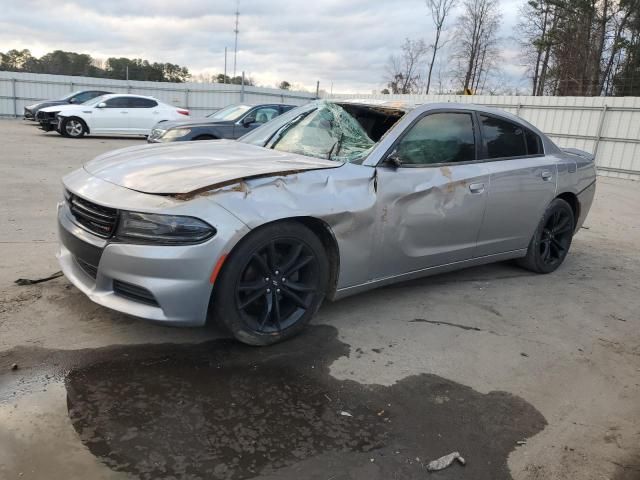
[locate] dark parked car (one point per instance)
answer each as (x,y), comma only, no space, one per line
(31,111)
(231,122)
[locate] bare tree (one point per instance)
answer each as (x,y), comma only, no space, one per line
(403,72)
(439,10)
(476,38)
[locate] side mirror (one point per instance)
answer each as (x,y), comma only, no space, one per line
(246,121)
(101,105)
(73,100)
(393,160)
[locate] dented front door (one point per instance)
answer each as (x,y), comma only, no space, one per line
(428,216)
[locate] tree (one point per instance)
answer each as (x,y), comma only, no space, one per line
(476,38)
(439,10)
(237,80)
(284,85)
(18,61)
(403,71)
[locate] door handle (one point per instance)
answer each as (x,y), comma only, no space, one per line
(124,112)
(476,187)
(546,175)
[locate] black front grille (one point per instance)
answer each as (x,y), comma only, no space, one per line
(97,219)
(87,268)
(134,292)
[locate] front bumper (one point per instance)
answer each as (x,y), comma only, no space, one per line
(168,284)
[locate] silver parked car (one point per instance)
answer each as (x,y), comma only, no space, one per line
(325,201)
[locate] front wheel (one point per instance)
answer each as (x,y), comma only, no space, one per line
(272,284)
(551,241)
(73,127)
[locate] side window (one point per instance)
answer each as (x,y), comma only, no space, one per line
(264,114)
(118,102)
(503,138)
(82,97)
(142,102)
(534,143)
(439,138)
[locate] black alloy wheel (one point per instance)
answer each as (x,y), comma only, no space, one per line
(272,284)
(551,241)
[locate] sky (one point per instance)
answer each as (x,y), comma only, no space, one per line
(344,44)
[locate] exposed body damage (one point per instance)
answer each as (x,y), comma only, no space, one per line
(335,196)
(343,198)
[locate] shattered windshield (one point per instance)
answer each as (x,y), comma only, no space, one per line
(326,132)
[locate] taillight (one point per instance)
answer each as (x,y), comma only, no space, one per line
(183,112)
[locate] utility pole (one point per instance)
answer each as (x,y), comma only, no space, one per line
(225,64)
(236,31)
(127,73)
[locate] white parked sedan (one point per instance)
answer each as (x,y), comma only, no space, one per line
(113,114)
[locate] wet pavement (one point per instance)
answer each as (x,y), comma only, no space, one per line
(222,410)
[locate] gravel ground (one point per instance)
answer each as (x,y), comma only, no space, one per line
(530,377)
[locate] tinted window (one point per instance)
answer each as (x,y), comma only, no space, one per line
(83,97)
(118,102)
(534,143)
(504,139)
(264,114)
(142,102)
(439,138)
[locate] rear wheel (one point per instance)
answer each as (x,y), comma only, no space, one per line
(73,127)
(272,284)
(551,241)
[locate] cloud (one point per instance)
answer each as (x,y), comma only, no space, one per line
(346,43)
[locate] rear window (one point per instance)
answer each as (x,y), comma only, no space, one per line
(503,138)
(142,102)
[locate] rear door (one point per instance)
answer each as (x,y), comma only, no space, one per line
(430,208)
(113,118)
(145,113)
(523,183)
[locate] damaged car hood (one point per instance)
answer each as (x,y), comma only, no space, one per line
(178,168)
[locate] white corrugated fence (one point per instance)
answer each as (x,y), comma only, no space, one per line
(20,89)
(606,126)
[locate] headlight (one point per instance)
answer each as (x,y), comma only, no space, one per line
(176,133)
(149,228)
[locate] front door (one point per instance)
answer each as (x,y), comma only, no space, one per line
(431,206)
(259,116)
(112,118)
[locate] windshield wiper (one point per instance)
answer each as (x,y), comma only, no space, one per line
(337,144)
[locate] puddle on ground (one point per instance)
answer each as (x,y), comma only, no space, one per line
(222,410)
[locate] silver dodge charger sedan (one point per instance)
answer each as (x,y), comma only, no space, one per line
(327,200)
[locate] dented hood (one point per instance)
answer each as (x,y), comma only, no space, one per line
(185,167)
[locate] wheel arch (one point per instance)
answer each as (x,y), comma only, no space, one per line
(323,231)
(84,122)
(572,199)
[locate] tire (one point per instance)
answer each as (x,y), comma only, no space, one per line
(73,127)
(254,296)
(552,239)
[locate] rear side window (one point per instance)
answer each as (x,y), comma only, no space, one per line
(503,138)
(534,143)
(439,138)
(142,102)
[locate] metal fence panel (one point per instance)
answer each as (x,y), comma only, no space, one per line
(19,89)
(610,125)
